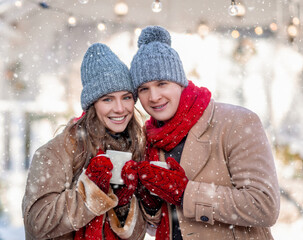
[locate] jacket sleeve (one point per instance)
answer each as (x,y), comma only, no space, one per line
(253,199)
(134,227)
(53,205)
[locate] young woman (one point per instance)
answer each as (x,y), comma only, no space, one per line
(222,182)
(68,193)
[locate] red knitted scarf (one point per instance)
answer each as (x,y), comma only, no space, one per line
(93,230)
(193,102)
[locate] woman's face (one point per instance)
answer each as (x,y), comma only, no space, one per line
(160,99)
(115,110)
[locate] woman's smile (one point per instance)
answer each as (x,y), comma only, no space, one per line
(115,110)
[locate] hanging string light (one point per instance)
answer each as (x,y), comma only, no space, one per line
(259,30)
(233,8)
(72,21)
(235,34)
(18,3)
(241,10)
(156,6)
(137,31)
(296,21)
(203,29)
(273,27)
(121,8)
(83,1)
(293,27)
(292,31)
(101,26)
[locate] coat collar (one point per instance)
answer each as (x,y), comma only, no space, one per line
(204,122)
(196,152)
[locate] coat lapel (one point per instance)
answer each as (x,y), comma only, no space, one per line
(196,151)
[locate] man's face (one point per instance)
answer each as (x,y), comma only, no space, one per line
(160,99)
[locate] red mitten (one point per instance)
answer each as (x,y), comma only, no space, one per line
(168,184)
(129,175)
(99,171)
(148,200)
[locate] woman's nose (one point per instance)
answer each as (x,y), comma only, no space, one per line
(119,107)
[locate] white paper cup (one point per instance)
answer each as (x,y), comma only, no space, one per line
(118,159)
(160,164)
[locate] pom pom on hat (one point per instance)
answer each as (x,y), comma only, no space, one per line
(156,59)
(154,34)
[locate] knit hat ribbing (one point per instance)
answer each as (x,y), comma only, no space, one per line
(155,59)
(102,72)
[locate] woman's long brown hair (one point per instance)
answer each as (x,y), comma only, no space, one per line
(88,135)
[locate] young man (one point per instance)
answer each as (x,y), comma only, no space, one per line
(222,182)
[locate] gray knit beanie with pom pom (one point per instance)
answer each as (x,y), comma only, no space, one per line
(102,72)
(155,59)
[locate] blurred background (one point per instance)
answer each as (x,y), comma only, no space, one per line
(248,53)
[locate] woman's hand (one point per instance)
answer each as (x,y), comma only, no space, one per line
(129,175)
(99,171)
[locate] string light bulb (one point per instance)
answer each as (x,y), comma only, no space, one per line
(241,10)
(203,29)
(137,31)
(233,8)
(121,8)
(83,1)
(101,26)
(273,27)
(296,21)
(156,6)
(292,30)
(18,3)
(235,34)
(259,30)
(72,21)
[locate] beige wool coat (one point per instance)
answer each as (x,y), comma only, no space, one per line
(233,191)
(55,205)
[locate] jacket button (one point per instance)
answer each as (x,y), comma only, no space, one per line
(204,219)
